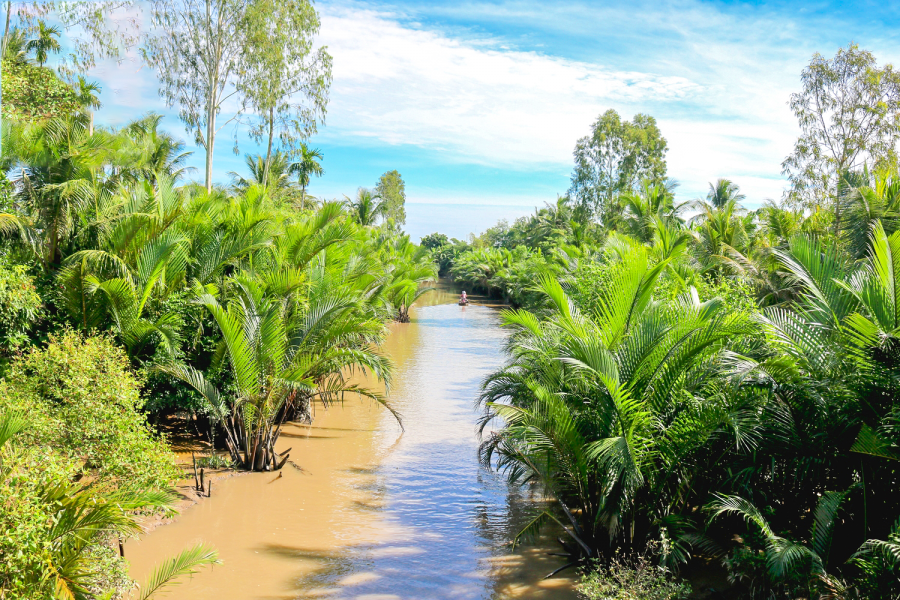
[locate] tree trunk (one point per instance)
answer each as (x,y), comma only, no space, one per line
(265,177)
(210,145)
(6,29)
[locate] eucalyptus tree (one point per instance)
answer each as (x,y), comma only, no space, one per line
(213,57)
(392,191)
(612,159)
(94,29)
(288,80)
(848,115)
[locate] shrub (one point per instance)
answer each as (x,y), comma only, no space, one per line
(632,577)
(32,92)
(82,401)
(20,306)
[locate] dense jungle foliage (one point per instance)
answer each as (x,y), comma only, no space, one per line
(129,296)
(705,386)
(696,385)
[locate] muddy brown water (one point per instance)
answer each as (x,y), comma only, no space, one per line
(368,512)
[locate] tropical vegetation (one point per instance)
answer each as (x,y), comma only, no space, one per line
(134,301)
(697,384)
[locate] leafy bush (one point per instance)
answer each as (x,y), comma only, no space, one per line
(20,305)
(32,92)
(82,400)
(24,519)
(631,578)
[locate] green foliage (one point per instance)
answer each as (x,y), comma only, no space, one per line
(631,577)
(56,534)
(35,93)
(20,306)
(82,400)
(392,191)
(508,274)
(847,112)
(613,159)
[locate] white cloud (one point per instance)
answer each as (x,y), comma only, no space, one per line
(477,102)
(716,77)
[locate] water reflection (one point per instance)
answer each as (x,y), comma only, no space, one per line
(373,515)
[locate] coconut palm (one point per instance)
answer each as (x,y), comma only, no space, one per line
(307,165)
(722,192)
(44,42)
(86,93)
(366,208)
(643,207)
(274,176)
(15,46)
(156,151)
(59,169)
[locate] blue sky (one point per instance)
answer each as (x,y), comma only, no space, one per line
(479,104)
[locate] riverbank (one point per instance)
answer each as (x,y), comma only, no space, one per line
(371,512)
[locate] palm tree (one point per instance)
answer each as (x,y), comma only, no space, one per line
(61,170)
(279,362)
(44,43)
(273,176)
(156,151)
(15,46)
(723,192)
(87,97)
(306,166)
(367,208)
(594,407)
(408,267)
(643,208)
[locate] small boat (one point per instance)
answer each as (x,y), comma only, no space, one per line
(463,302)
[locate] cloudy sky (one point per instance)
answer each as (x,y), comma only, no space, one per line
(479,104)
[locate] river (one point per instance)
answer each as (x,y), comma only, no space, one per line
(368,512)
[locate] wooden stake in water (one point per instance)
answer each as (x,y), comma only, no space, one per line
(196,483)
(202,487)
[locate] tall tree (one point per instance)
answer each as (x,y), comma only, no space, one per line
(392,191)
(94,29)
(366,209)
(87,96)
(288,79)
(200,50)
(613,158)
(848,111)
(722,192)
(44,42)
(306,166)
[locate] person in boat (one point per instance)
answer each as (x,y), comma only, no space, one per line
(463,299)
